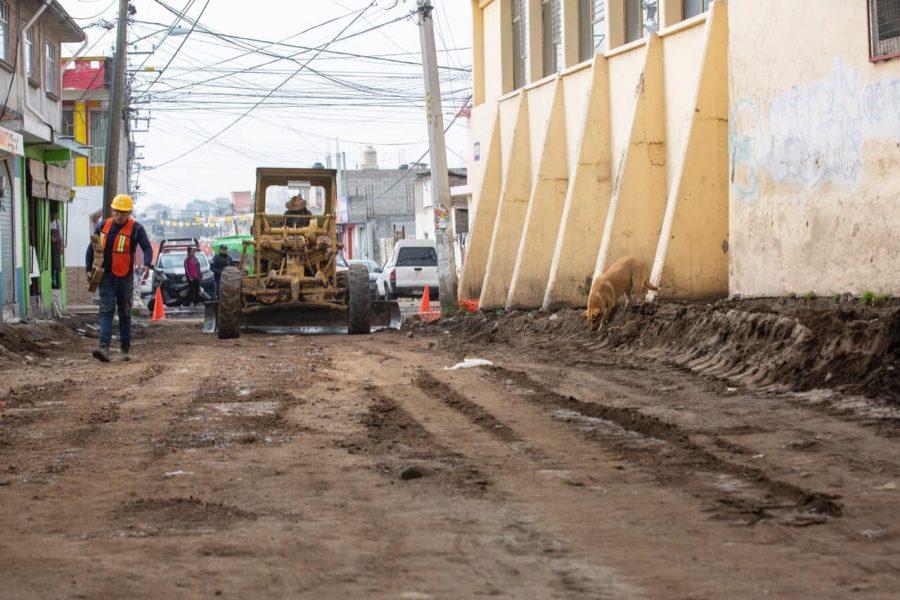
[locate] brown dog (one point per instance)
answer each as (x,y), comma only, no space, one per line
(628,276)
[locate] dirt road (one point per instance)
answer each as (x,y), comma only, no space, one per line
(348,467)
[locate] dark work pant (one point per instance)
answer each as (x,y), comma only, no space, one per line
(218,278)
(193,292)
(115,292)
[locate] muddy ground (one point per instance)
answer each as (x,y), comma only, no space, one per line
(348,467)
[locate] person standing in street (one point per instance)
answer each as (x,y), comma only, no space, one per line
(218,264)
(120,236)
(56,248)
(192,276)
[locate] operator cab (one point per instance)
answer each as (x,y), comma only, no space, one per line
(290,200)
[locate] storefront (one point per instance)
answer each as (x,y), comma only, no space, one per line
(11,152)
(48,179)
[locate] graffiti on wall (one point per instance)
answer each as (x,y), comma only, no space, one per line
(812,134)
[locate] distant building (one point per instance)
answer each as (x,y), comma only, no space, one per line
(458,225)
(380,208)
(242,202)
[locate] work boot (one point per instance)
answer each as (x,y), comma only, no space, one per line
(125,355)
(102,353)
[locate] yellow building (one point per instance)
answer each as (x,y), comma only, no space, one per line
(601,128)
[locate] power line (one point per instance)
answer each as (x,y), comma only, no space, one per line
(240,118)
(424,154)
(180,46)
(99,14)
(167,34)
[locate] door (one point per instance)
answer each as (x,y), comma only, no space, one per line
(7,268)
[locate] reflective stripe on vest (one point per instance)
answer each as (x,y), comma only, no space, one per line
(121,250)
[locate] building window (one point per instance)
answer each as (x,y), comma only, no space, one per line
(4,31)
(551,35)
(29,54)
(52,75)
(591,28)
(99,128)
(641,18)
(692,8)
(884,29)
(519,41)
(68,123)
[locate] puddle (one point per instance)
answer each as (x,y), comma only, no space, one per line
(605,428)
(247,409)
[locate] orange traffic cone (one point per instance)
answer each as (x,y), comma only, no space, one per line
(425,312)
(159,308)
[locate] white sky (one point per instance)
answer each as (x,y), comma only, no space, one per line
(364,102)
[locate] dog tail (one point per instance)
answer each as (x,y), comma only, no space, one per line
(650,286)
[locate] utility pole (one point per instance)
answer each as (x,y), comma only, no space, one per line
(440,180)
(116,102)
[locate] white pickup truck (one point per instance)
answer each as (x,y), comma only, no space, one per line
(411,267)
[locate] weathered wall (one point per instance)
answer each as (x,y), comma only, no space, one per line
(585,166)
(814,151)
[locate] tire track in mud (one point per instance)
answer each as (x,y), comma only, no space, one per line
(393,435)
(668,452)
(476,413)
(406,450)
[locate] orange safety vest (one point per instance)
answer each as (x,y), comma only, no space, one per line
(121,250)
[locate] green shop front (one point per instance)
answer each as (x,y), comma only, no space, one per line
(46,195)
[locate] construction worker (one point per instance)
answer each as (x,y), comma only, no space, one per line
(120,236)
(218,264)
(296,207)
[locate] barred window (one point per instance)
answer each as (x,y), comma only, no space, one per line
(692,8)
(97,136)
(29,53)
(52,69)
(884,29)
(592,28)
(68,122)
(519,41)
(4,31)
(551,34)
(641,18)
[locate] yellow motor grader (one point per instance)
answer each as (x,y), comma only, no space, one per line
(296,283)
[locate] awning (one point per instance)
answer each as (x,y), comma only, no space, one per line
(49,181)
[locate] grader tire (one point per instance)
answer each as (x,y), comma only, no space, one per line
(359,301)
(229,317)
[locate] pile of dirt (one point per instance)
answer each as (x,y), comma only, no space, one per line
(760,343)
(34,340)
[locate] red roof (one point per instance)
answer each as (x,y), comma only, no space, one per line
(85,74)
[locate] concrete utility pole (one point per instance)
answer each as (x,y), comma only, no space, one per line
(440,179)
(116,101)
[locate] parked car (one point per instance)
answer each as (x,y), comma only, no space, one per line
(374,272)
(168,274)
(411,268)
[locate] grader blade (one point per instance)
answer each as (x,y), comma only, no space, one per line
(386,315)
(210,317)
(305,319)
